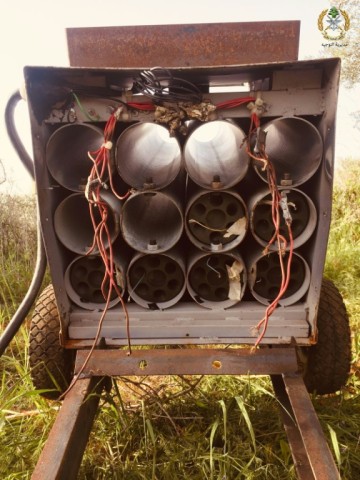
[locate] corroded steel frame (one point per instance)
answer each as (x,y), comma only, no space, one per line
(61,457)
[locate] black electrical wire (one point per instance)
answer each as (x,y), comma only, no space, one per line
(13,135)
(30,297)
(161,86)
(40,267)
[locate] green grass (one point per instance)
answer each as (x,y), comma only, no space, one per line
(212,428)
(214,431)
(343,253)
(17,248)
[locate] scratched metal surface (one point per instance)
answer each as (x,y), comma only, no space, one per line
(184,45)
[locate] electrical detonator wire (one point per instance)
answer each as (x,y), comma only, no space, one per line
(161,86)
(101,167)
(102,237)
(280,240)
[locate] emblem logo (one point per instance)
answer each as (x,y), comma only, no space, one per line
(333,23)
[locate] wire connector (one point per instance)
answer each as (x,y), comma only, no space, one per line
(108,145)
(260,140)
(117,113)
(257,108)
(285,207)
(89,189)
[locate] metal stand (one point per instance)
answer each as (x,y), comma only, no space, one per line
(310,452)
(64,449)
(62,454)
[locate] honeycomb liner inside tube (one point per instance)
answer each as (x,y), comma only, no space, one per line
(303,214)
(67,154)
(216,280)
(265,278)
(83,280)
(216,220)
(156,281)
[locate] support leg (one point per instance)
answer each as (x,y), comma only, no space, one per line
(64,448)
(311,453)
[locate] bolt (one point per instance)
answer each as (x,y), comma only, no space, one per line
(216,246)
(152,245)
(216,183)
(149,184)
(286,181)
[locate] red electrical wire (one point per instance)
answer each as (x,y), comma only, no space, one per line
(285,275)
(234,102)
(277,238)
(141,106)
(102,237)
(106,252)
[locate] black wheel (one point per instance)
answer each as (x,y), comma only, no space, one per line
(327,364)
(51,365)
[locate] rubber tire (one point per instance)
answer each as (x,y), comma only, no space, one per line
(51,365)
(327,364)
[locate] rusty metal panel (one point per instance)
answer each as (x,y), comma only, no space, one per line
(207,44)
(189,361)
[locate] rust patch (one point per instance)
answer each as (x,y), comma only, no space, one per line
(192,45)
